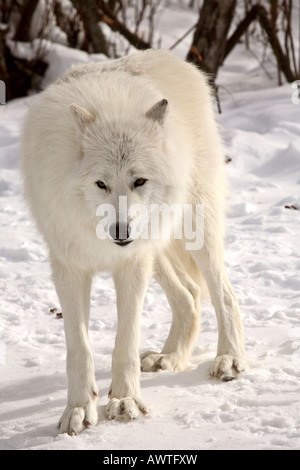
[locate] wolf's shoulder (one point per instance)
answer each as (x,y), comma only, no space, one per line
(139,63)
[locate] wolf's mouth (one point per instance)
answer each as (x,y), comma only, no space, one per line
(123,243)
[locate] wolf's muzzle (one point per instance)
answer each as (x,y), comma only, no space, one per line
(123,243)
(120,234)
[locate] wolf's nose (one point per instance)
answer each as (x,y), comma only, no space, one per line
(119,232)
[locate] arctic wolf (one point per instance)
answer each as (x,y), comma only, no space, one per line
(140,128)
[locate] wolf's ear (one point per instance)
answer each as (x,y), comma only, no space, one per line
(81,116)
(158,112)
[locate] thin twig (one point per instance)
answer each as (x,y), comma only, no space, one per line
(183,37)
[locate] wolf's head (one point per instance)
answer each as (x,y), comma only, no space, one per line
(125,170)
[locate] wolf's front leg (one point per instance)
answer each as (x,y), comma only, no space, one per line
(131,281)
(73,289)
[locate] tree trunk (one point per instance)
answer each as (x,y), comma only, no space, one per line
(4,75)
(209,42)
(23,29)
(112,5)
(88,12)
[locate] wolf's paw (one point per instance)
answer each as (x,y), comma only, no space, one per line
(75,420)
(227,367)
(153,362)
(125,409)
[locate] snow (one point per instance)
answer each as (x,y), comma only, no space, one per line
(261,410)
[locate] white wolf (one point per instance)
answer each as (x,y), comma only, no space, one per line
(142,127)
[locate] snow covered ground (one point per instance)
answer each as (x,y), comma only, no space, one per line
(260,410)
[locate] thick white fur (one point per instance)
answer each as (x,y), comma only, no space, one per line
(98,123)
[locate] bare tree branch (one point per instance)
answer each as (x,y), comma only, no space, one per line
(110,19)
(240,31)
(282,59)
(258,12)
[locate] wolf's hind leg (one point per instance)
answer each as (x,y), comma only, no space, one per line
(231,357)
(183,295)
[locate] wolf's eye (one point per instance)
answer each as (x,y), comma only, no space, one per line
(140,182)
(101,185)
